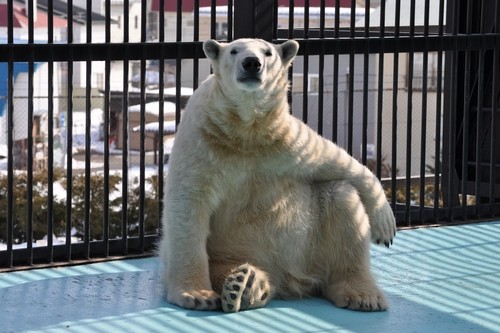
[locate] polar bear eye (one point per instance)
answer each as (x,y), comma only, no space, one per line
(233,51)
(268,53)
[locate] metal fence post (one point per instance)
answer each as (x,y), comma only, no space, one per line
(253,19)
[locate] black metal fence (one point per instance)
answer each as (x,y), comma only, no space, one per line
(89,98)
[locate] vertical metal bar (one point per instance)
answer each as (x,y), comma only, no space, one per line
(69,136)
(466,111)
(161,22)
(275,20)
(50,134)
(107,86)
(161,118)
(178,84)
(479,129)
(366,65)
(10,137)
(10,145)
(125,130)
(479,115)
(178,64)
(452,72)
(336,36)
(291,17)
(88,120)
(394,127)
(350,108)
(213,20)
(178,37)
(495,88)
(409,119)
(178,76)
(142,162)
(261,24)
(423,129)
(29,155)
(321,66)
(126,21)
(380,98)
(306,19)
(230,20)
(196,38)
(305,57)
(438,130)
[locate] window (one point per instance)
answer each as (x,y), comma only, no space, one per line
(418,71)
(312,83)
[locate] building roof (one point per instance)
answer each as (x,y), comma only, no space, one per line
(20,19)
(60,10)
(390,19)
(79,14)
(188,6)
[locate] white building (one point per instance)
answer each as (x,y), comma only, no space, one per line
(403,71)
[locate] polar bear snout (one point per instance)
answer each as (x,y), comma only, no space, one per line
(250,73)
(251,65)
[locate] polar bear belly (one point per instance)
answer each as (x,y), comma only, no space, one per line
(258,221)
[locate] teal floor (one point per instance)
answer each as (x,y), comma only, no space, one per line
(443,279)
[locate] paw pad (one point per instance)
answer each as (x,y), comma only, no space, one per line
(245,288)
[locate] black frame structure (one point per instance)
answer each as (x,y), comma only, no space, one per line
(466,148)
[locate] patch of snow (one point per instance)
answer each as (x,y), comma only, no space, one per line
(81,164)
(154,108)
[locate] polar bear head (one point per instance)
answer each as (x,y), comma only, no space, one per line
(251,64)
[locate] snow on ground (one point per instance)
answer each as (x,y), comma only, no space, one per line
(98,147)
(41,243)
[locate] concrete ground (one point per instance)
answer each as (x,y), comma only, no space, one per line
(443,279)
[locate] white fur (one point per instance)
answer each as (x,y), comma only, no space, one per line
(250,183)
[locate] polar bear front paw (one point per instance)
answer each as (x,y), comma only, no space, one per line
(246,287)
(195,299)
(383,225)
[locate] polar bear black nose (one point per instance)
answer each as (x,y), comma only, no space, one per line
(251,64)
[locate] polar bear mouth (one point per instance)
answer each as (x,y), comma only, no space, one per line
(249,79)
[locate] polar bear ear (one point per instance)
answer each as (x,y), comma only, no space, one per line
(288,50)
(212,49)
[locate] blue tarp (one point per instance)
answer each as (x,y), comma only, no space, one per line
(19,67)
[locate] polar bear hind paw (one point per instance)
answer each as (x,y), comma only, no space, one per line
(352,296)
(246,287)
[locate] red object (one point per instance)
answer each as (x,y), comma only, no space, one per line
(20,19)
(188,5)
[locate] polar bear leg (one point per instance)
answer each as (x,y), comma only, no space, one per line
(245,287)
(350,283)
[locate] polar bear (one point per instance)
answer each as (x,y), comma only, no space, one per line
(257,205)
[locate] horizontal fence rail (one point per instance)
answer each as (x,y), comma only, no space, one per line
(192,50)
(91,97)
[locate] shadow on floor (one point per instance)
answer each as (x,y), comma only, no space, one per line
(437,280)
